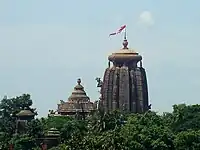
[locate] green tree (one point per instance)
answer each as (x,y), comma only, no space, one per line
(185,117)
(101,121)
(23,142)
(187,140)
(54,122)
(73,130)
(35,129)
(148,131)
(8,110)
(10,107)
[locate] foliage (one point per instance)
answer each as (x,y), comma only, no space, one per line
(148,131)
(35,129)
(186,117)
(178,130)
(72,129)
(54,122)
(187,140)
(23,142)
(8,110)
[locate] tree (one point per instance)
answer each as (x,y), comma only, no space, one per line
(23,142)
(54,122)
(8,110)
(185,117)
(10,107)
(148,131)
(73,130)
(35,129)
(179,130)
(187,140)
(101,121)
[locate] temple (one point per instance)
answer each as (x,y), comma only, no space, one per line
(78,103)
(124,86)
(24,116)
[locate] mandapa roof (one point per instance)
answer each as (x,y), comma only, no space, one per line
(25,113)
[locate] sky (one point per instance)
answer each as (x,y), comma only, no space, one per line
(45,45)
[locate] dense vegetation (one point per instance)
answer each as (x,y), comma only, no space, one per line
(179,130)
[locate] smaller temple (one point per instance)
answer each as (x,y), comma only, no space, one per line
(52,138)
(23,117)
(78,103)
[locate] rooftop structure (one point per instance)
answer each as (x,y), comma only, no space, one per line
(78,102)
(23,117)
(124,86)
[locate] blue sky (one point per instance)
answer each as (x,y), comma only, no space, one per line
(45,45)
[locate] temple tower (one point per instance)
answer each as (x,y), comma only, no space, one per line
(124,85)
(78,103)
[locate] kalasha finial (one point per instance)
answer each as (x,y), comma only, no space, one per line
(125,43)
(79,81)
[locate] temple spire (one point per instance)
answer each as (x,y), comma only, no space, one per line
(124,85)
(79,81)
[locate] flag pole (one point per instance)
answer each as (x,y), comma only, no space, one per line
(125,34)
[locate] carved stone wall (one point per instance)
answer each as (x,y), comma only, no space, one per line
(125,89)
(124,85)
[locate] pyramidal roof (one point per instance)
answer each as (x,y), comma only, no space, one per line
(25,112)
(78,93)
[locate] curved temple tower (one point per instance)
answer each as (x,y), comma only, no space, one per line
(124,86)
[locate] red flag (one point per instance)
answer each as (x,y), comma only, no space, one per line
(119,30)
(114,33)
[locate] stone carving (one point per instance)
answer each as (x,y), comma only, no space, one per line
(149,107)
(99,82)
(52,112)
(108,64)
(62,102)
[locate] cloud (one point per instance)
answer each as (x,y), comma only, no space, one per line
(146,18)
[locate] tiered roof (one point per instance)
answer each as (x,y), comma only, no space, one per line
(77,102)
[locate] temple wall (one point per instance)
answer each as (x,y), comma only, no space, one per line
(125,89)
(110,88)
(133,101)
(115,97)
(105,89)
(139,90)
(145,89)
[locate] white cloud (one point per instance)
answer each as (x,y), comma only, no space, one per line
(146,18)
